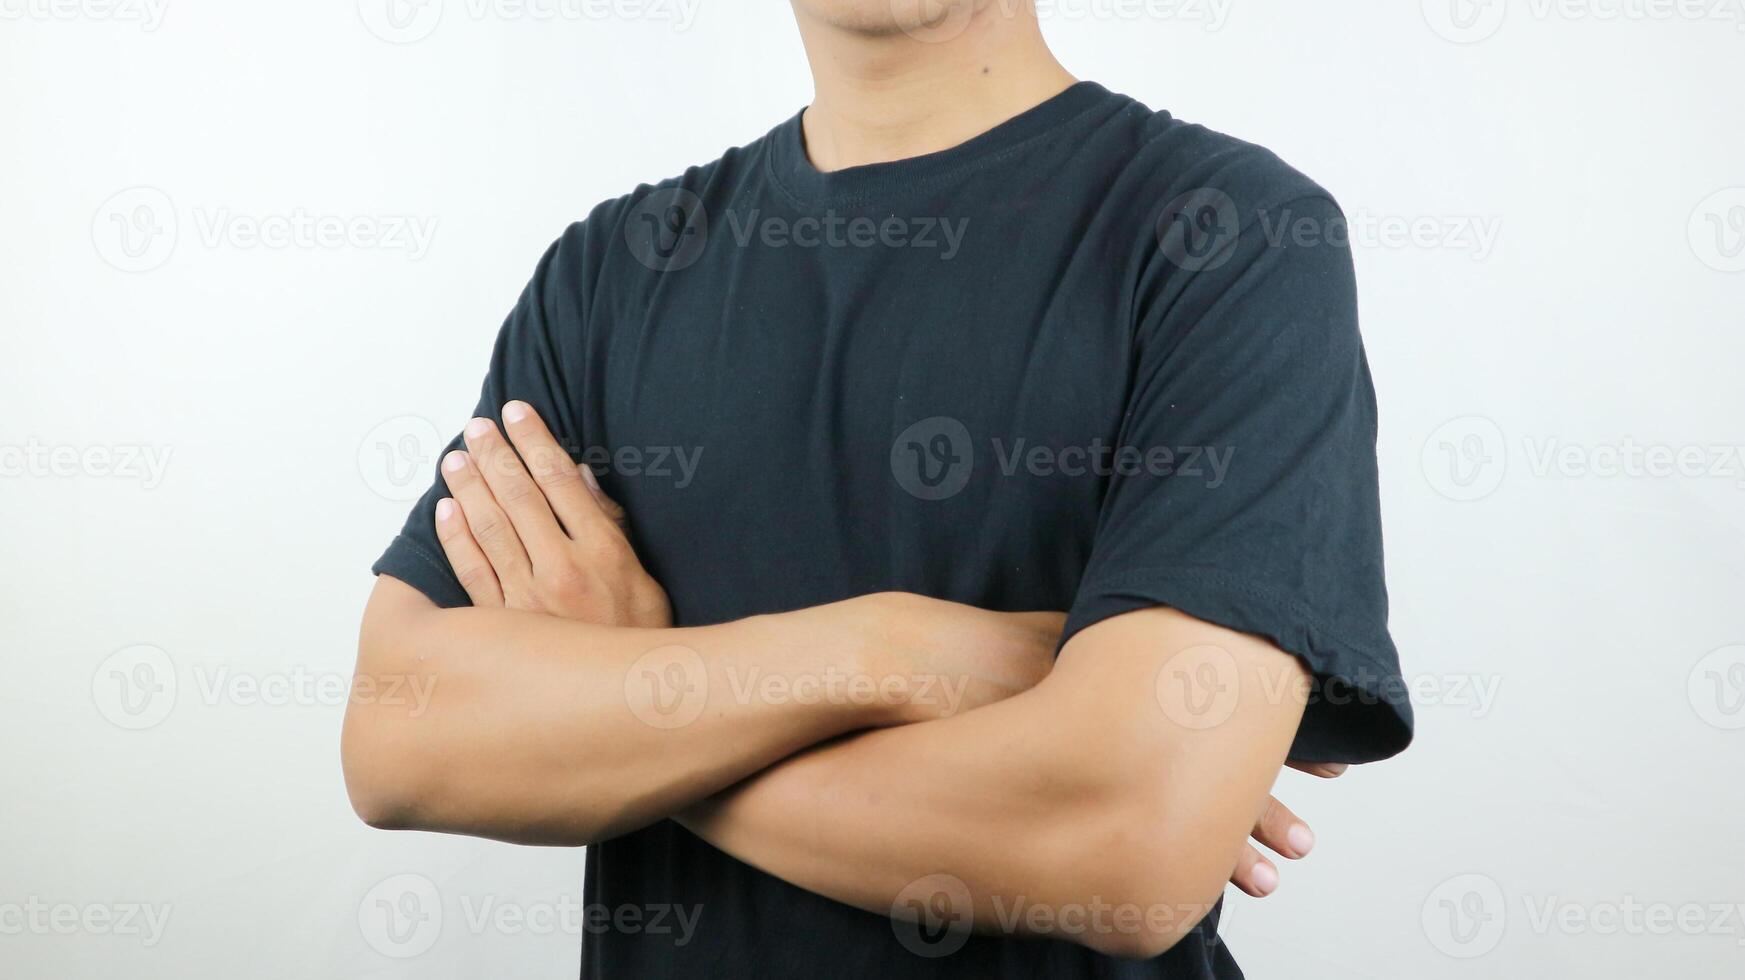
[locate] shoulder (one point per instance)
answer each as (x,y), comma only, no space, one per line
(1165,157)
(645,226)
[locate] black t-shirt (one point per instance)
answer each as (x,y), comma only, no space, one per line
(1096,359)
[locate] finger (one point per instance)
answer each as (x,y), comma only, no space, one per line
(514,489)
(553,471)
(464,555)
(1325,770)
(1283,831)
(1254,874)
(490,527)
(610,507)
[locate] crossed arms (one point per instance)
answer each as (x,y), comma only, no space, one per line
(852,749)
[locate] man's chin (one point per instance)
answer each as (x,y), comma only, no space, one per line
(918,19)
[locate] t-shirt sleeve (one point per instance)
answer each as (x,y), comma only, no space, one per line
(532,361)
(1249,493)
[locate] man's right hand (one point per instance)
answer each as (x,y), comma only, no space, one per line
(539,535)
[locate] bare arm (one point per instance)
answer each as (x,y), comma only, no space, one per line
(1099,789)
(505,722)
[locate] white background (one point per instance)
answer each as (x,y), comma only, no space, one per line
(1593,597)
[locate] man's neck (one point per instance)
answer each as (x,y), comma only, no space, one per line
(889,96)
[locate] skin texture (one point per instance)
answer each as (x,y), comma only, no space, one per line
(823,818)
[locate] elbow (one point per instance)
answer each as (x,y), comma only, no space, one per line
(1148,918)
(385,746)
(1157,885)
(380,780)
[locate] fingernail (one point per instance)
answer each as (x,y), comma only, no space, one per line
(1302,838)
(454,462)
(445,508)
(1265,878)
(478,427)
(514,411)
(589,478)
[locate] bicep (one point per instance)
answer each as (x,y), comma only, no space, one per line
(394,610)
(1200,717)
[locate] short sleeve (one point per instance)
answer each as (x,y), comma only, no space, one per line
(532,361)
(1246,491)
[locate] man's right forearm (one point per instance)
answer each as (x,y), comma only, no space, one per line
(532,729)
